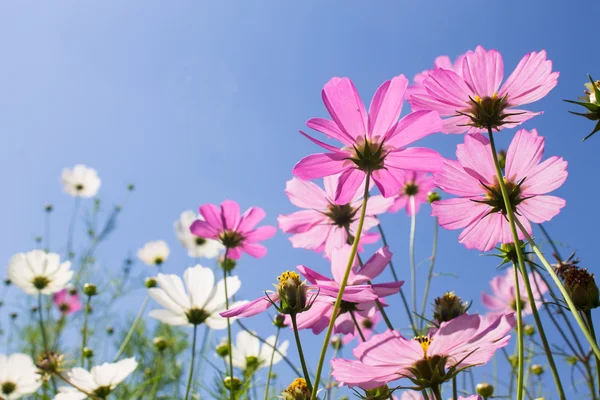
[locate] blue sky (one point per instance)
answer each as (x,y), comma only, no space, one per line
(199,101)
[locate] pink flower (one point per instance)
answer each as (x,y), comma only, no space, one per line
(465,341)
(324,225)
(480,206)
(67,301)
(416,184)
(237,233)
(440,62)
(319,315)
(459,96)
(368,320)
(504,293)
(373,142)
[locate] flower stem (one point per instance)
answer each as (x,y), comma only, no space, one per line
(158,376)
(454,389)
(411,250)
(588,316)
(357,326)
(520,351)
(231,389)
(84,332)
(338,300)
(134,326)
(42,328)
(521,263)
(301,353)
(271,364)
(404,301)
(71,233)
(191,374)
(67,381)
(431,265)
(435,389)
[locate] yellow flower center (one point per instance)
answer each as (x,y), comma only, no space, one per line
(424,341)
(289,277)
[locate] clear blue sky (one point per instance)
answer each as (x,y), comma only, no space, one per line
(198,101)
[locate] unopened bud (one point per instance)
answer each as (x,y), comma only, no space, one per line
(87,352)
(110,330)
(131,187)
(89,289)
(232,384)
(433,196)
(485,390)
(227,264)
(337,343)
(529,330)
(161,343)
(222,349)
(537,369)
(292,293)
(582,289)
(150,283)
(572,360)
(48,207)
(279,321)
(502,158)
(13,315)
(7,282)
(448,307)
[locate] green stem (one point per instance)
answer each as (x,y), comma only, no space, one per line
(411,250)
(42,328)
(84,333)
(191,374)
(431,265)
(588,316)
(454,389)
(402,296)
(301,353)
(208,333)
(231,389)
(590,378)
(271,364)
(47,230)
(425,395)
(529,361)
(338,300)
(435,389)
(133,328)
(71,233)
(356,324)
(158,376)
(520,360)
(330,385)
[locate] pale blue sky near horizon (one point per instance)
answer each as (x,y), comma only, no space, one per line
(197,101)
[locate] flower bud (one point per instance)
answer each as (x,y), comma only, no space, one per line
(150,283)
(110,330)
(529,330)
(131,187)
(50,362)
(7,282)
(513,360)
(279,321)
(297,390)
(448,307)
(572,360)
(48,207)
(433,196)
(89,289)
(222,349)
(485,390)
(292,293)
(160,343)
(13,315)
(582,289)
(227,264)
(87,352)
(508,252)
(537,369)
(381,392)
(591,102)
(502,158)
(337,343)
(232,384)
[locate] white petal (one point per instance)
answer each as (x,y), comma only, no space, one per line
(199,282)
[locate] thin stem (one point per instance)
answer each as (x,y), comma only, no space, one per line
(271,364)
(301,353)
(158,376)
(520,360)
(431,265)
(588,316)
(413,266)
(356,324)
(191,374)
(208,333)
(231,389)
(329,381)
(435,389)
(338,300)
(590,379)
(86,312)
(42,328)
(454,389)
(425,395)
(132,329)
(71,233)
(47,230)
(402,296)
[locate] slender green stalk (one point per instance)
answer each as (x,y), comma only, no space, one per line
(520,359)
(529,361)
(357,325)
(329,386)
(411,250)
(431,265)
(231,389)
(47,230)
(588,316)
(191,374)
(435,389)
(271,364)
(84,333)
(158,376)
(42,328)
(454,389)
(71,233)
(402,296)
(208,333)
(590,379)
(301,353)
(132,329)
(549,239)
(425,395)
(338,300)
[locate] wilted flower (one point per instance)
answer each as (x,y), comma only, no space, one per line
(582,289)
(18,376)
(448,307)
(39,272)
(504,297)
(80,181)
(154,253)
(67,301)
(196,246)
(249,355)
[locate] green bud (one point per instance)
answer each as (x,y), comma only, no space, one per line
(223,349)
(87,352)
(232,384)
(227,264)
(292,293)
(572,360)
(433,196)
(160,343)
(110,330)
(513,360)
(485,390)
(7,282)
(337,343)
(448,307)
(537,369)
(13,315)
(150,283)
(502,158)
(529,330)
(131,187)
(382,392)
(582,289)
(89,289)
(279,321)
(48,207)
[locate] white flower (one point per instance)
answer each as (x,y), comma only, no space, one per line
(18,376)
(100,381)
(202,302)
(80,181)
(248,354)
(39,272)
(154,253)
(195,245)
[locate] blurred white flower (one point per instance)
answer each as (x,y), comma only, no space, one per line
(202,302)
(80,181)
(18,376)
(154,253)
(248,354)
(195,245)
(39,272)
(100,381)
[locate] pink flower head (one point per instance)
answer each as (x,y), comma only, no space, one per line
(237,233)
(324,225)
(67,301)
(417,185)
(479,209)
(367,319)
(371,142)
(319,315)
(440,62)
(465,341)
(476,95)
(504,293)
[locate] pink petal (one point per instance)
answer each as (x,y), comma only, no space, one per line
(203,229)
(399,203)
(387,289)
(374,266)
(212,215)
(320,143)
(230,212)
(524,153)
(455,180)
(541,208)
(517,117)
(313,276)
(457,213)
(330,184)
(545,177)
(386,106)
(387,182)
(234,253)
(255,250)
(493,303)
(475,156)
(338,238)
(483,71)
(345,106)
(319,165)
(251,308)
(483,233)
(354,373)
(449,90)
(259,234)
(339,261)
(424,102)
(250,219)
(413,127)
(415,159)
(330,129)
(312,239)
(458,125)
(300,221)
(306,194)
(348,184)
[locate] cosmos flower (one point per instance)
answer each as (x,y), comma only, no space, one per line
(468,340)
(237,233)
(417,87)
(474,99)
(100,381)
(504,296)
(154,253)
(373,142)
(39,272)
(480,209)
(201,303)
(324,225)
(367,319)
(416,184)
(249,355)
(67,301)
(196,246)
(80,181)
(18,376)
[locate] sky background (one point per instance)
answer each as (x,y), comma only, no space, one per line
(198,101)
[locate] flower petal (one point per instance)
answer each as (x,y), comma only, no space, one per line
(345,106)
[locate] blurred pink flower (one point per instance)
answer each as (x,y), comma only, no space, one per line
(465,341)
(449,92)
(373,141)
(440,62)
(367,319)
(417,184)
(480,207)
(323,225)
(504,293)
(237,233)
(67,301)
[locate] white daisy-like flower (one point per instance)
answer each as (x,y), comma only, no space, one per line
(100,381)
(195,245)
(80,181)
(18,376)
(201,303)
(154,253)
(39,272)
(249,355)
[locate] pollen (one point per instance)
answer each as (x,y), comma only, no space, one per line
(288,276)
(478,99)
(424,341)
